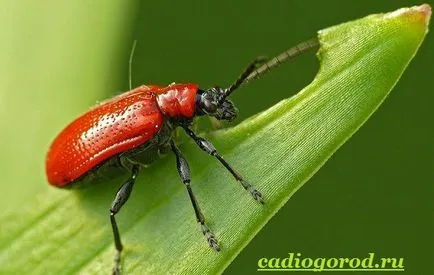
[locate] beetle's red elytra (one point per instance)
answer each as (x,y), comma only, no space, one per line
(115,126)
(131,130)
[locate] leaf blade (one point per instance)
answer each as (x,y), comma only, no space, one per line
(319,120)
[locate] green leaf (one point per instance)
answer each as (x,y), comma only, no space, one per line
(277,151)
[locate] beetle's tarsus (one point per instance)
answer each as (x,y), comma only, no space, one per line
(255,193)
(212,240)
(117,261)
(257,196)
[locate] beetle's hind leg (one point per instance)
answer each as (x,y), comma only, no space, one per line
(184,173)
(121,198)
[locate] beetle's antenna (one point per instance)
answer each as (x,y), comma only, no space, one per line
(247,71)
(252,71)
(289,54)
(130,64)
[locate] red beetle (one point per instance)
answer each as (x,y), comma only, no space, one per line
(132,129)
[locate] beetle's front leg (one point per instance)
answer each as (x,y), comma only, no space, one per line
(207,146)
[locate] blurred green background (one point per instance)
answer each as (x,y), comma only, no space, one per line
(374,195)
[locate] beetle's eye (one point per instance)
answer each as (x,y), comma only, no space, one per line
(208,103)
(209,106)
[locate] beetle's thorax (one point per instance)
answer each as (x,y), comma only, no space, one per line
(178,100)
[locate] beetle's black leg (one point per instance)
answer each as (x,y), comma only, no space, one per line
(207,146)
(121,198)
(184,173)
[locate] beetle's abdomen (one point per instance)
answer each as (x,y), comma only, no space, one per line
(115,126)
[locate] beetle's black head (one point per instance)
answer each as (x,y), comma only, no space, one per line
(213,102)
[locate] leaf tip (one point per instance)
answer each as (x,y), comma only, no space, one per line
(426,10)
(418,14)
